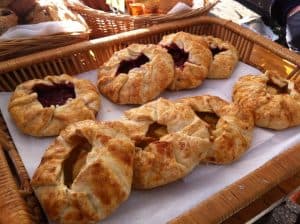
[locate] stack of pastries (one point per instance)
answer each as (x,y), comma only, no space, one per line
(90,168)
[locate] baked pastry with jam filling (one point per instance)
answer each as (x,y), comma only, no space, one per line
(274,100)
(225,58)
(85,174)
(191,60)
(230,127)
(136,74)
(170,142)
(43,107)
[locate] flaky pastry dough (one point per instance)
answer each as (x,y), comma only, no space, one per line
(85,174)
(225,57)
(274,100)
(181,141)
(230,127)
(140,84)
(191,71)
(33,118)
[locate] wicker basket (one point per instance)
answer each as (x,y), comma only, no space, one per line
(17,201)
(23,46)
(104,24)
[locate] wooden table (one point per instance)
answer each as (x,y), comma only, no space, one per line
(281,190)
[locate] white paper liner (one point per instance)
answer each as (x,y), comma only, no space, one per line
(42,29)
(164,203)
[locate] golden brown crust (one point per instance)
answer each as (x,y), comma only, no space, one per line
(225,58)
(141,84)
(195,69)
(173,155)
(102,183)
(271,108)
(32,118)
(7,19)
(49,10)
(232,134)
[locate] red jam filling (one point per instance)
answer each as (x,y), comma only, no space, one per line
(57,94)
(216,50)
(179,55)
(126,66)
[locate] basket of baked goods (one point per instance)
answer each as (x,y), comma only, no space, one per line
(111,17)
(28,26)
(185,122)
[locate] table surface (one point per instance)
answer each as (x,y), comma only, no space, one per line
(281,190)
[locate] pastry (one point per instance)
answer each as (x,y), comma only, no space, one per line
(43,107)
(7,19)
(230,127)
(85,174)
(274,100)
(225,57)
(136,74)
(165,6)
(170,141)
(150,6)
(191,60)
(50,10)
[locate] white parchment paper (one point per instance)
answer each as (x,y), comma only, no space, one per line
(164,203)
(42,29)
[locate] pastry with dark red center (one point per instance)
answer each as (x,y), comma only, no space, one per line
(191,60)
(225,57)
(170,142)
(43,107)
(230,127)
(273,99)
(136,74)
